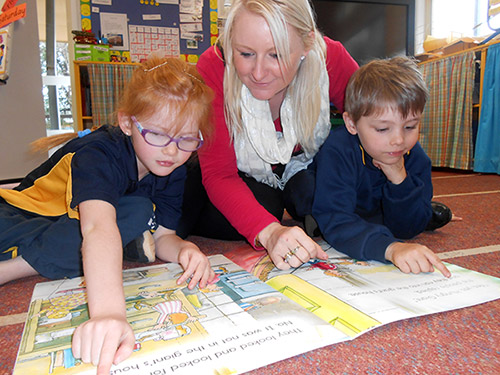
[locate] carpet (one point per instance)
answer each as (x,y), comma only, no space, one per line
(464,341)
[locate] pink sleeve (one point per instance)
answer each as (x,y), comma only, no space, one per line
(340,66)
(227,191)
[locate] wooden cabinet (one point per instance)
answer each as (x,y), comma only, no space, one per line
(450,121)
(83,91)
(480,52)
(82,94)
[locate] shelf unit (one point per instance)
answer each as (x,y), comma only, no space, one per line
(481,52)
(452,143)
(82,93)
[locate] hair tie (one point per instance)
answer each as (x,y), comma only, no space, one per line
(166,63)
(83,133)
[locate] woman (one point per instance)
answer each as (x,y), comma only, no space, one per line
(274,80)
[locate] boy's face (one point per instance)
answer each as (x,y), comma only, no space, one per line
(387,136)
(160,161)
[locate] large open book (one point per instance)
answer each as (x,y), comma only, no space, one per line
(242,322)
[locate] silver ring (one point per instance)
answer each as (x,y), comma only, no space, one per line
(294,250)
(287,256)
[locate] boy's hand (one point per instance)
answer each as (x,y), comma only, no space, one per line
(196,266)
(103,341)
(396,173)
(414,258)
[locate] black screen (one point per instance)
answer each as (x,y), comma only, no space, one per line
(368,29)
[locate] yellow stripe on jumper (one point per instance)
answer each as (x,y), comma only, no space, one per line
(50,195)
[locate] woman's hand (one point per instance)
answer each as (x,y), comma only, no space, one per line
(289,246)
(103,341)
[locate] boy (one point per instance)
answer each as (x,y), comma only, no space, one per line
(373,178)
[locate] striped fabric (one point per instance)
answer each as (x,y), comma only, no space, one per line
(446,127)
(106,86)
(167,308)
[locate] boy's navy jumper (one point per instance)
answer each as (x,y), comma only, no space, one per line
(360,212)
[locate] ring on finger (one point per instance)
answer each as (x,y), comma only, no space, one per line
(294,250)
(287,257)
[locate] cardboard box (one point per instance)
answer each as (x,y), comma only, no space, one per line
(428,56)
(100,52)
(433,44)
(92,52)
(83,52)
(459,45)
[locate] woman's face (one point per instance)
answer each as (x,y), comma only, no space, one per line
(255,57)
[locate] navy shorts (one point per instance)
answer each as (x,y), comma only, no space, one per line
(51,245)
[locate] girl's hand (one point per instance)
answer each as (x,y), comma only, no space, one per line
(196,266)
(103,341)
(414,258)
(289,246)
(107,337)
(171,248)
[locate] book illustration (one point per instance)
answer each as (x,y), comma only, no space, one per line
(241,322)
(175,328)
(373,289)
(346,318)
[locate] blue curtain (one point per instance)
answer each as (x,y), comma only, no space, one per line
(487,152)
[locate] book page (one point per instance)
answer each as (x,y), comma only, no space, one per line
(356,296)
(235,325)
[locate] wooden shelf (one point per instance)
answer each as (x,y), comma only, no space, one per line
(482,51)
(82,92)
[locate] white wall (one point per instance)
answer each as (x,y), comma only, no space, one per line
(21,104)
(422,23)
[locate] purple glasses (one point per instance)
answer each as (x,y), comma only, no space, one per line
(157,139)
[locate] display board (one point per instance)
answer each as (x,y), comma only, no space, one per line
(177,27)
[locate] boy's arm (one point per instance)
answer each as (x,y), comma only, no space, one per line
(407,205)
(171,248)
(106,338)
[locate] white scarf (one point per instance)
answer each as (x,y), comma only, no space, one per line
(259,145)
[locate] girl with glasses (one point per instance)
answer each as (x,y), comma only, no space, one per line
(98,193)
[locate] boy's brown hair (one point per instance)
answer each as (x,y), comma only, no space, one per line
(395,83)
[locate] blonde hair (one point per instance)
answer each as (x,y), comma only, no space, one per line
(155,84)
(395,83)
(304,90)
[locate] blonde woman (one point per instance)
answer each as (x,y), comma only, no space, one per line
(274,79)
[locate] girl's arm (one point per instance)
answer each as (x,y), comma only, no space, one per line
(171,248)
(106,338)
